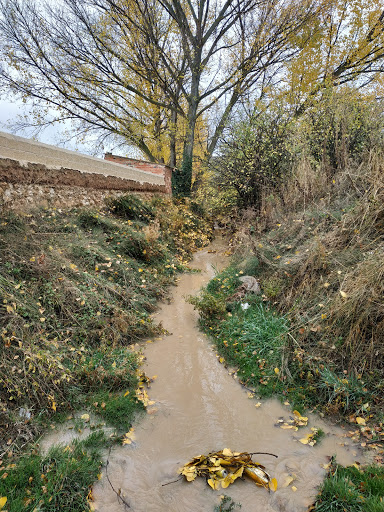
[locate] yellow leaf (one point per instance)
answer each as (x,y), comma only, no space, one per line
(129,437)
(215,484)
(343,294)
(288,481)
(360,421)
(85,417)
(221,360)
(140,270)
(42,319)
(227,452)
(54,406)
(294,489)
(258,404)
(32,259)
(277,371)
(126,393)
(273,484)
(304,440)
(3,501)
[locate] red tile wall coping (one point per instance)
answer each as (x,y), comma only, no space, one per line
(144,165)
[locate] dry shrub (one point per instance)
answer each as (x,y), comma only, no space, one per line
(152,231)
(31,376)
(306,184)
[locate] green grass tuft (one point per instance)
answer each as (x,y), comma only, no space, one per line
(61,480)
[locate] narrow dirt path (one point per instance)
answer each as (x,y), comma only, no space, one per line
(201,408)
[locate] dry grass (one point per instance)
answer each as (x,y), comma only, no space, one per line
(320,257)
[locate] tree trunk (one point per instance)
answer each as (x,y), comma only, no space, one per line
(183,180)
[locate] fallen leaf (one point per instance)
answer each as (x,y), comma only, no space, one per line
(3,501)
(360,421)
(273,484)
(85,417)
(288,481)
(294,489)
(129,437)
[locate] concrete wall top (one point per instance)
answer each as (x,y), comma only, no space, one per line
(29,151)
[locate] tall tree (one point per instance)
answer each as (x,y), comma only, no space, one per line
(344,45)
(140,69)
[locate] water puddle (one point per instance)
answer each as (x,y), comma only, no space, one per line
(200,408)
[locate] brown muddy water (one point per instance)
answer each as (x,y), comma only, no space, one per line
(200,408)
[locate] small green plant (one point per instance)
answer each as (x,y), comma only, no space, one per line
(117,409)
(318,435)
(227,505)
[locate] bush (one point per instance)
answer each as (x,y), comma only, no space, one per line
(256,157)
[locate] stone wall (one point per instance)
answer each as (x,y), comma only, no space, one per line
(34,175)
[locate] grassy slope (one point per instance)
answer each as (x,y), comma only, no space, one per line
(76,291)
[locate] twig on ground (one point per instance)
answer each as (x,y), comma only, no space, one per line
(110,483)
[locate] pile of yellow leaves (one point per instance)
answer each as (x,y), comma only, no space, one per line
(222,468)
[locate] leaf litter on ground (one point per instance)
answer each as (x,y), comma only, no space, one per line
(224,467)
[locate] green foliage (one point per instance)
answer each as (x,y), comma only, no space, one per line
(182,178)
(251,339)
(353,489)
(341,128)
(109,368)
(117,409)
(58,481)
(255,158)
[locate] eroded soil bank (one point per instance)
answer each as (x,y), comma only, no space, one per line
(201,408)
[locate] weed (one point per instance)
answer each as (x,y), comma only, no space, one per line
(227,505)
(117,409)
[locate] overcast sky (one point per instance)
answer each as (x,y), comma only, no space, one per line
(9,111)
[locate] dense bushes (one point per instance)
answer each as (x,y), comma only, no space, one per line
(264,151)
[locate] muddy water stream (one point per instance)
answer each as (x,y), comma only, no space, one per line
(201,408)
